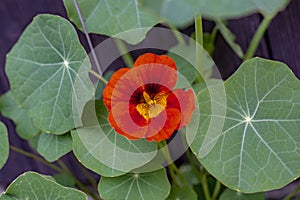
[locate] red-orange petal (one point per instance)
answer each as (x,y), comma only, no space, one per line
(184,101)
(171,123)
(149,58)
(127,121)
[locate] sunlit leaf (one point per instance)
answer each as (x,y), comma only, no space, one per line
(4,145)
(111,17)
(9,108)
(52,147)
(48,73)
(234,195)
(96,144)
(258,148)
(34,186)
(147,186)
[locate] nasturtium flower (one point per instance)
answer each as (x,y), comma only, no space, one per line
(142,103)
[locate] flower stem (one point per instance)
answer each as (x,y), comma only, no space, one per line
(177,34)
(205,186)
(124,52)
(98,76)
(199,47)
(88,39)
(294,193)
(216,190)
(37,158)
(257,36)
(88,175)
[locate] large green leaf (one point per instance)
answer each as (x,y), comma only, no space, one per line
(52,147)
(147,186)
(48,73)
(4,145)
(34,186)
(9,108)
(98,142)
(234,195)
(183,193)
(169,9)
(258,148)
(112,17)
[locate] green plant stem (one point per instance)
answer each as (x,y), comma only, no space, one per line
(216,190)
(98,76)
(257,36)
(80,185)
(37,158)
(124,52)
(172,167)
(294,193)
(177,34)
(88,175)
(199,47)
(205,186)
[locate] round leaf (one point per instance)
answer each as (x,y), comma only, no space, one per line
(234,195)
(52,147)
(111,17)
(258,148)
(48,73)
(9,108)
(34,186)
(147,186)
(4,145)
(184,193)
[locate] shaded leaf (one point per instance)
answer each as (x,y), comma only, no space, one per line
(184,193)
(52,147)
(34,186)
(234,195)
(258,148)
(147,186)
(4,145)
(48,73)
(64,180)
(112,17)
(9,108)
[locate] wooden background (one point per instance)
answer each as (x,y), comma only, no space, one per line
(281,42)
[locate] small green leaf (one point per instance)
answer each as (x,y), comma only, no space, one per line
(34,186)
(184,193)
(4,145)
(230,38)
(234,195)
(147,186)
(52,147)
(112,17)
(64,180)
(48,73)
(9,108)
(258,146)
(96,144)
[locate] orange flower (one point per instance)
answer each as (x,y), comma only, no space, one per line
(142,103)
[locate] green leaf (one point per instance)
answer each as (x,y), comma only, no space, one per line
(48,73)
(113,18)
(4,145)
(234,195)
(52,147)
(230,38)
(64,179)
(189,175)
(96,144)
(147,186)
(10,109)
(184,193)
(258,146)
(213,9)
(34,186)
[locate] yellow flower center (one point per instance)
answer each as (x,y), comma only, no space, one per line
(152,107)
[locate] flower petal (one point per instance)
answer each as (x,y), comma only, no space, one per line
(184,101)
(110,86)
(127,121)
(171,118)
(149,58)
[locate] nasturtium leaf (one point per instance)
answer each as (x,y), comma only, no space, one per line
(9,108)
(98,142)
(234,195)
(52,147)
(112,17)
(183,193)
(188,173)
(48,73)
(258,148)
(34,186)
(4,145)
(64,179)
(147,186)
(213,9)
